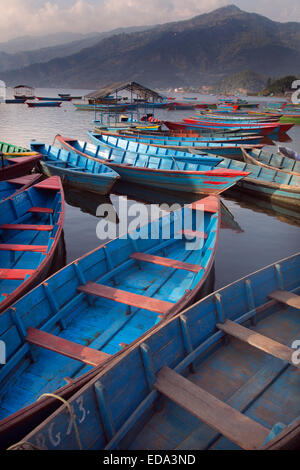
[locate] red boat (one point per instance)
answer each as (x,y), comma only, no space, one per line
(13,167)
(194,125)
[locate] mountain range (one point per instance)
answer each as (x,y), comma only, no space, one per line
(194,52)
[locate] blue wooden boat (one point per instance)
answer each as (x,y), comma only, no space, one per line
(31,224)
(273,161)
(87,312)
(44,104)
(117,107)
(176,173)
(216,148)
(165,140)
(243,118)
(15,101)
(74,170)
(278,186)
(62,98)
(222,375)
(14,186)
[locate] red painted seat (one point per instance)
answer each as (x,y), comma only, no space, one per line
(128,298)
(43,210)
(15,274)
(210,204)
(14,247)
(65,347)
(172,263)
(39,228)
(50,183)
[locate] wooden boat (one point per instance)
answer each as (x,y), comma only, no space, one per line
(44,104)
(280,187)
(207,127)
(180,106)
(265,128)
(74,170)
(222,375)
(15,101)
(17,165)
(272,161)
(11,148)
(244,118)
(118,107)
(85,313)
(31,225)
(217,148)
(14,186)
(178,140)
(176,173)
(269,182)
(24,91)
(44,98)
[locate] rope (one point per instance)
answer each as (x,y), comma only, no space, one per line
(67,404)
(23,443)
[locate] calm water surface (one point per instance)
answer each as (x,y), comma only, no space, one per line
(254,232)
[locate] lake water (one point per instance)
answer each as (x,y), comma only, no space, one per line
(254,234)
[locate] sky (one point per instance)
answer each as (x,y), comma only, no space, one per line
(39,17)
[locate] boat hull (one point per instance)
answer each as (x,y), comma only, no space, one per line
(18,166)
(85,182)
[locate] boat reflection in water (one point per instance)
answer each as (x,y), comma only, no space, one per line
(90,202)
(265,206)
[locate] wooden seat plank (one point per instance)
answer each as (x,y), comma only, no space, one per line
(207,204)
(257,340)
(15,274)
(172,263)
(128,298)
(240,429)
(65,347)
(32,248)
(49,183)
(288,298)
(39,228)
(43,210)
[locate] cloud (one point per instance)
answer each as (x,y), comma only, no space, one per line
(23,17)
(35,17)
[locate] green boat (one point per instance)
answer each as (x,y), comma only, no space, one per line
(293,118)
(10,148)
